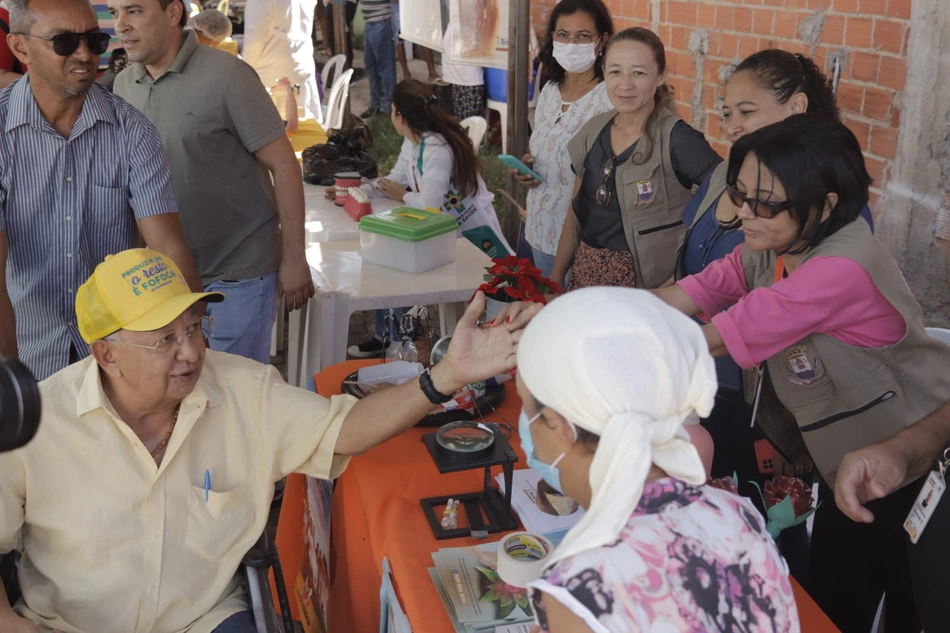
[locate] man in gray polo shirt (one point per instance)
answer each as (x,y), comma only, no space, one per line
(219,127)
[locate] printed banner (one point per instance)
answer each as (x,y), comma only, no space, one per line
(420,22)
(312,588)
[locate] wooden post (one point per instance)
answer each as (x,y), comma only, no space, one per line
(519,75)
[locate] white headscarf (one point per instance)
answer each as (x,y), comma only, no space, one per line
(627,367)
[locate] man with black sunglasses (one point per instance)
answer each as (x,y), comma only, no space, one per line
(82,175)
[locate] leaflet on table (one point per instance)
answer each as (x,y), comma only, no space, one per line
(486,240)
(514,628)
(475,598)
(524,485)
(460,627)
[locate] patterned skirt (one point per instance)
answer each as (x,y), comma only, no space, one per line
(468,101)
(602,267)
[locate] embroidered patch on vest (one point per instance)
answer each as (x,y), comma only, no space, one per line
(644,192)
(801,370)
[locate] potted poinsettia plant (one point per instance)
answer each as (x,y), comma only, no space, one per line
(511,279)
(788,502)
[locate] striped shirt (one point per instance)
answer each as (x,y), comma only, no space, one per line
(66,204)
(376,10)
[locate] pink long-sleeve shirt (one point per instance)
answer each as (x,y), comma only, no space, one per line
(830,295)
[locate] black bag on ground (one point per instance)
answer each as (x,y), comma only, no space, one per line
(345,150)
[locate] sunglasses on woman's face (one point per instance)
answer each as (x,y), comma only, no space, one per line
(759,208)
(605,191)
(65,44)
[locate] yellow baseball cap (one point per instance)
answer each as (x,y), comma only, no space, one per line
(139,290)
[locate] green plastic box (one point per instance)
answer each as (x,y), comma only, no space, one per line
(412,240)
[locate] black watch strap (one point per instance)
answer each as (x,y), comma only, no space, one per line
(434,395)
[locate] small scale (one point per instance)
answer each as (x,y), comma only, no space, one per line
(462,446)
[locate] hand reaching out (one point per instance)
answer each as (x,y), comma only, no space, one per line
(476,353)
(870,473)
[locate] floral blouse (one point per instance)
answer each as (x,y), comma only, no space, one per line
(553,129)
(691,560)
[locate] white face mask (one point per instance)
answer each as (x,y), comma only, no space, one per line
(575,58)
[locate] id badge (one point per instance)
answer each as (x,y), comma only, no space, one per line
(923,507)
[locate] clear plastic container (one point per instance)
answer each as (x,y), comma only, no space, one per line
(408,239)
(396,372)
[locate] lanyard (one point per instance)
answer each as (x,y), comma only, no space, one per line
(779,270)
(422,150)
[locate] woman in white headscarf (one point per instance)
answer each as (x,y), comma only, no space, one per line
(605,401)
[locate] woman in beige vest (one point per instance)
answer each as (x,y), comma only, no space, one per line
(820,306)
(635,167)
(765,88)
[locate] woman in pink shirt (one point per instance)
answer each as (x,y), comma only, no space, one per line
(821,306)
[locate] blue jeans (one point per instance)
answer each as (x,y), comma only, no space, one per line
(380,317)
(379,55)
(243,321)
(242,622)
(394,7)
(543,261)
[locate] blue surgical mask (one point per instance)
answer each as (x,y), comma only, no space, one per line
(548,472)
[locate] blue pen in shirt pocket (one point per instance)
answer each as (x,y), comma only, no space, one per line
(207,484)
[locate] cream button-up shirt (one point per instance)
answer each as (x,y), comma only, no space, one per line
(114,543)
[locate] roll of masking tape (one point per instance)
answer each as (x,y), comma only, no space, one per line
(521,558)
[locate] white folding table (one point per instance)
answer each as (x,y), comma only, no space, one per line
(324,222)
(346,284)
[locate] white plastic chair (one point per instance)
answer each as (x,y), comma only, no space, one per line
(475,127)
(939,333)
(332,68)
(502,108)
(337,101)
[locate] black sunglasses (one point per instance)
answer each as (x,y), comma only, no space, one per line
(65,44)
(605,190)
(759,208)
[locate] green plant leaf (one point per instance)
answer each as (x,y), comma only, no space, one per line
(522,601)
(490,596)
(505,610)
(488,572)
(506,602)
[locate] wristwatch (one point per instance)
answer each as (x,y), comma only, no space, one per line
(434,395)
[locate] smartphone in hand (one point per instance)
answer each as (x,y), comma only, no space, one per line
(514,163)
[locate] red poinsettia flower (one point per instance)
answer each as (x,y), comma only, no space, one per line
(516,278)
(724,483)
(781,487)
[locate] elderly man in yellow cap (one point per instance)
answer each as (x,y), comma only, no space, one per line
(153,469)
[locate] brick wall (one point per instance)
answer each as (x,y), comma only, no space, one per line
(870,36)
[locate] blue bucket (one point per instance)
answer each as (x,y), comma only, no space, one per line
(496,85)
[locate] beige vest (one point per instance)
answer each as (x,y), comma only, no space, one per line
(651,198)
(837,397)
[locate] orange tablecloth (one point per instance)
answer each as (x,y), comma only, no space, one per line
(376,513)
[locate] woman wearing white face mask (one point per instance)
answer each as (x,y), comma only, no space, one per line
(605,402)
(572,93)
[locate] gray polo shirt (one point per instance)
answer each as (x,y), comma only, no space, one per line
(213,113)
